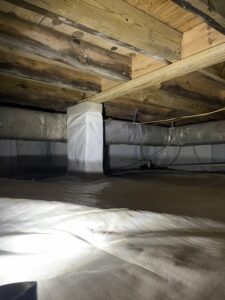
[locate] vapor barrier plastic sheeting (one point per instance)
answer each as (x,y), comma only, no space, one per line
(85,142)
(120,132)
(82,252)
(84,133)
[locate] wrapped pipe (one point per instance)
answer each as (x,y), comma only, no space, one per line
(119,132)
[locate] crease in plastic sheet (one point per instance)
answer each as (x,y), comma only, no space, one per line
(81,252)
(85,142)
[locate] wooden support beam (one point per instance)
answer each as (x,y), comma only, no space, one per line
(21,35)
(216,72)
(206,38)
(196,86)
(200,38)
(112,110)
(213,11)
(11,63)
(115,20)
(167,100)
(187,65)
(142,64)
(23,91)
(142,106)
(158,101)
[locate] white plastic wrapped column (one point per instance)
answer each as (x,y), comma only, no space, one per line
(85,138)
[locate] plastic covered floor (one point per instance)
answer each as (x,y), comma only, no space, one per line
(156,236)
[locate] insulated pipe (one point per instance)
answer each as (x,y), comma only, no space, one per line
(119,132)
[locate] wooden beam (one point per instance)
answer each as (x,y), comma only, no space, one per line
(141,106)
(36,39)
(163,99)
(197,86)
(205,36)
(216,72)
(116,20)
(159,101)
(187,65)
(121,112)
(17,90)
(213,11)
(115,111)
(142,64)
(20,66)
(200,38)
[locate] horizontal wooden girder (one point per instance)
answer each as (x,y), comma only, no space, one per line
(187,65)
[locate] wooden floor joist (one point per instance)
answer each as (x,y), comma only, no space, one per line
(197,86)
(112,110)
(146,60)
(200,38)
(12,63)
(142,106)
(17,90)
(172,101)
(21,35)
(115,20)
(187,65)
(216,72)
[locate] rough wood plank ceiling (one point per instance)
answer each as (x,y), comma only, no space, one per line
(146,60)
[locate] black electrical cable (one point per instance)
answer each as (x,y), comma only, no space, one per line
(146,158)
(138,161)
(174,159)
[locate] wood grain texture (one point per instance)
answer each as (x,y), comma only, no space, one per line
(30,53)
(200,38)
(123,112)
(216,72)
(57,25)
(142,64)
(172,101)
(213,12)
(134,102)
(29,92)
(47,72)
(168,12)
(120,22)
(187,65)
(23,35)
(199,85)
